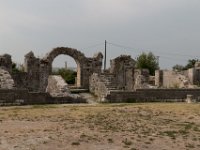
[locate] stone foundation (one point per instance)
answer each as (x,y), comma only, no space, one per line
(153,95)
(24,97)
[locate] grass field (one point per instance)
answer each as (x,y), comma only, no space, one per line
(152,126)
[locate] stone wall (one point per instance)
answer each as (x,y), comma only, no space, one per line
(24,97)
(123,67)
(180,79)
(32,69)
(174,79)
(6,81)
(6,62)
(38,70)
(141,78)
(85,66)
(153,95)
(21,80)
(194,74)
(98,87)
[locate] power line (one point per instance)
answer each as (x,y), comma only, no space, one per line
(121,46)
(173,59)
(95,45)
(105,55)
(138,52)
(166,53)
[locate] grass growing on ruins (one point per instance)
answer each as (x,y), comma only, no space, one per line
(101,126)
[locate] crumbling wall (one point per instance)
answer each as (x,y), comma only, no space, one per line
(183,79)
(21,80)
(6,81)
(37,71)
(142,79)
(57,87)
(197,73)
(123,67)
(32,69)
(6,62)
(172,79)
(85,66)
(98,87)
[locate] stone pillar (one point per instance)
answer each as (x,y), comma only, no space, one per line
(32,68)
(159,78)
(191,75)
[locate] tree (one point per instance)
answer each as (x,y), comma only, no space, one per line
(178,67)
(190,64)
(15,69)
(147,61)
(67,74)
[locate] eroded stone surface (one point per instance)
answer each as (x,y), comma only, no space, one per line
(57,87)
(6,62)
(6,81)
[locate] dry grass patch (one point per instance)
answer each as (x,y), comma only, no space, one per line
(103,126)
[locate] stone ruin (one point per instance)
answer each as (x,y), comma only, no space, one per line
(37,71)
(120,83)
(37,79)
(57,87)
(178,79)
(6,81)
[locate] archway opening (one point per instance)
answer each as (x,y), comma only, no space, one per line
(68,68)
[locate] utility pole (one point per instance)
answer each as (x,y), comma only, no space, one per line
(105,55)
(157,58)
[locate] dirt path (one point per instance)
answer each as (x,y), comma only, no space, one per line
(101,127)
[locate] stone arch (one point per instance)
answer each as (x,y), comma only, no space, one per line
(86,66)
(79,58)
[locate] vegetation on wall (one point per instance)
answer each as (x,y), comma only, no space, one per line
(147,61)
(67,74)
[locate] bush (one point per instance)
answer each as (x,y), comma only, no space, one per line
(67,74)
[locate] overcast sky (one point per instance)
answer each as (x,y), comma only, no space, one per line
(168,28)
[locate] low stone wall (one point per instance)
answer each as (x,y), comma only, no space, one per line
(24,97)
(153,95)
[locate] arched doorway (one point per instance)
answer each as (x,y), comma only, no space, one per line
(78,57)
(68,68)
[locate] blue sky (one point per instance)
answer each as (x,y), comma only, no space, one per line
(168,28)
